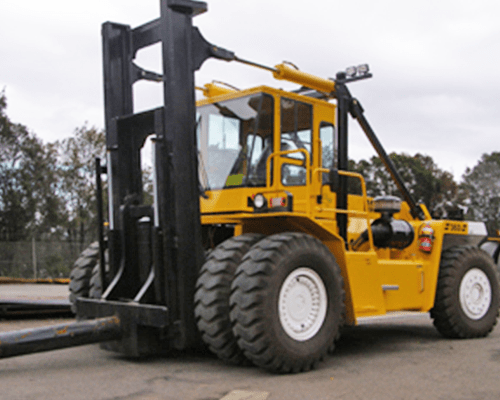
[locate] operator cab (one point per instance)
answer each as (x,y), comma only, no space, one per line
(261,140)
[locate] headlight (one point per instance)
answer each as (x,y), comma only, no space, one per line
(363,69)
(259,201)
(351,72)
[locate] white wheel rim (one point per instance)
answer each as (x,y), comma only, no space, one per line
(302,304)
(475,294)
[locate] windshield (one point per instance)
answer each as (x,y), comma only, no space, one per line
(234,141)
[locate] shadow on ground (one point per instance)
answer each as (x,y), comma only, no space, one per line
(385,337)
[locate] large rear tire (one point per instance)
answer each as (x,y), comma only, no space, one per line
(467,296)
(287,302)
(81,274)
(213,289)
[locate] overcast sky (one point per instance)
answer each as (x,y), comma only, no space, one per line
(435,90)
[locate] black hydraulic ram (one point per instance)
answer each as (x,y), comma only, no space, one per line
(356,112)
(60,336)
(348,104)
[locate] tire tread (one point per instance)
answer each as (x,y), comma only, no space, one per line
(212,297)
(248,289)
(445,313)
(81,274)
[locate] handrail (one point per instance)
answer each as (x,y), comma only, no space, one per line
(364,213)
(293,162)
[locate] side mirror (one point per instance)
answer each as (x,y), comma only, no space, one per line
(334,180)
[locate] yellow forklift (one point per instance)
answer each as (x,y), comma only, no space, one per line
(255,242)
(305,256)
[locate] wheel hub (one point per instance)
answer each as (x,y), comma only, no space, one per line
(302,304)
(475,294)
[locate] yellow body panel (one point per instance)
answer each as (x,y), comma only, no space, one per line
(376,280)
(363,273)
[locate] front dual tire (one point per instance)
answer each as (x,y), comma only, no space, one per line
(213,290)
(286,303)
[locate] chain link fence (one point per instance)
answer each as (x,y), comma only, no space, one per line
(34,260)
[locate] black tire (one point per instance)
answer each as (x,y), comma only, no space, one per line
(95,291)
(467,296)
(493,249)
(213,289)
(81,273)
(274,273)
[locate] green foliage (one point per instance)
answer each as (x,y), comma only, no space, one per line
(47,190)
(29,204)
(481,190)
(424,179)
(77,173)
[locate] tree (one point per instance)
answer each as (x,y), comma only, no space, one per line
(424,179)
(29,204)
(481,190)
(77,171)
(377,179)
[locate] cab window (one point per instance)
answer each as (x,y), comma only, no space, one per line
(296,134)
(327,136)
